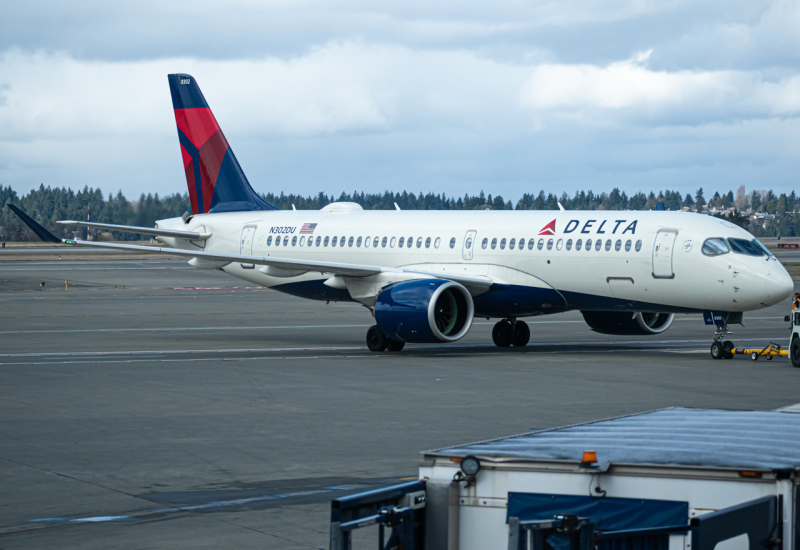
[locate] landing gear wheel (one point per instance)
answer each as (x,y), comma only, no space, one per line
(728,345)
(503,334)
(522,334)
(754,356)
(717,351)
(769,358)
(794,352)
(376,340)
(394,345)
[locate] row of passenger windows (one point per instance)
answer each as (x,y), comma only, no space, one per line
(579,244)
(357,241)
(409,243)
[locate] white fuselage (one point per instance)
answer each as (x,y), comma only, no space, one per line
(539,261)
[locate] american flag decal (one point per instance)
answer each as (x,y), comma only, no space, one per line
(308,228)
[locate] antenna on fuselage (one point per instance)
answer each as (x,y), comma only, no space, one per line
(559,206)
(395,205)
(293,208)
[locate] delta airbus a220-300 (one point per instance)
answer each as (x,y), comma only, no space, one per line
(425,275)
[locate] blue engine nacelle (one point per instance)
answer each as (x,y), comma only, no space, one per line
(429,310)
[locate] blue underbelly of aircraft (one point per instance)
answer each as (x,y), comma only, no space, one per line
(505,300)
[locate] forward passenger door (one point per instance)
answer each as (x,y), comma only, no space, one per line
(662,254)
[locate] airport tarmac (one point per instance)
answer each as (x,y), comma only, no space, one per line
(153,405)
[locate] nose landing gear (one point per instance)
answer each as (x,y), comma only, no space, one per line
(510,332)
(722,349)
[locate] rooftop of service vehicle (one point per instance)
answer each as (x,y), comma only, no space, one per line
(759,440)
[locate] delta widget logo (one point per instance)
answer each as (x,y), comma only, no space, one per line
(549,229)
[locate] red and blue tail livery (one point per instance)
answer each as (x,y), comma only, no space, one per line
(216,181)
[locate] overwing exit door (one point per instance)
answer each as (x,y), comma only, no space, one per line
(662,254)
(246,244)
(469,245)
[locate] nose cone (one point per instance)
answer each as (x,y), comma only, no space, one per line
(779,285)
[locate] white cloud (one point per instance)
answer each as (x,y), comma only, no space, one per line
(628,91)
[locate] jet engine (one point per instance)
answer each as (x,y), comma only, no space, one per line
(617,322)
(427,310)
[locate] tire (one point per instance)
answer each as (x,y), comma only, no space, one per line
(394,345)
(794,352)
(769,358)
(502,334)
(728,347)
(522,334)
(754,356)
(717,351)
(376,340)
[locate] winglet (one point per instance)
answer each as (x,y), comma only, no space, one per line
(40,231)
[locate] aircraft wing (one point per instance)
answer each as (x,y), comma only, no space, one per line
(141,230)
(335,268)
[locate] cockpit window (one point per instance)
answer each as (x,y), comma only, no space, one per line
(762,247)
(715,247)
(743,246)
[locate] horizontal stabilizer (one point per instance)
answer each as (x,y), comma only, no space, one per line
(193,235)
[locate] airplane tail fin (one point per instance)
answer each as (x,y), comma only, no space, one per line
(216,181)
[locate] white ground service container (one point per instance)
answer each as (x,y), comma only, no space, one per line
(648,466)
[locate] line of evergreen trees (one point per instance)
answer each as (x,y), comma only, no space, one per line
(48,205)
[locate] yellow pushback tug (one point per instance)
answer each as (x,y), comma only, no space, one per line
(775,350)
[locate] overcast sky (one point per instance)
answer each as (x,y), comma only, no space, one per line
(505,96)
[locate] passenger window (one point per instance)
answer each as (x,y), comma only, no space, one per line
(453,242)
(578,244)
(311,241)
(569,244)
(521,244)
(468,244)
(540,245)
(437,242)
(294,241)
(302,240)
(715,247)
(530,244)
(319,239)
(628,245)
(326,241)
(401,242)
(638,245)
(549,244)
(618,245)
(428,242)
(597,244)
(269,240)
(503,244)
(286,240)
(278,240)
(484,244)
(512,243)
(335,240)
(588,244)
(375,242)
(341,241)
(494,243)
(367,240)
(559,244)
(383,242)
(391,243)
(350,242)
(358,242)
(608,245)
(410,242)
(419,242)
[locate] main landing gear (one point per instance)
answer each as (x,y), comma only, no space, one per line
(722,349)
(510,332)
(378,341)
